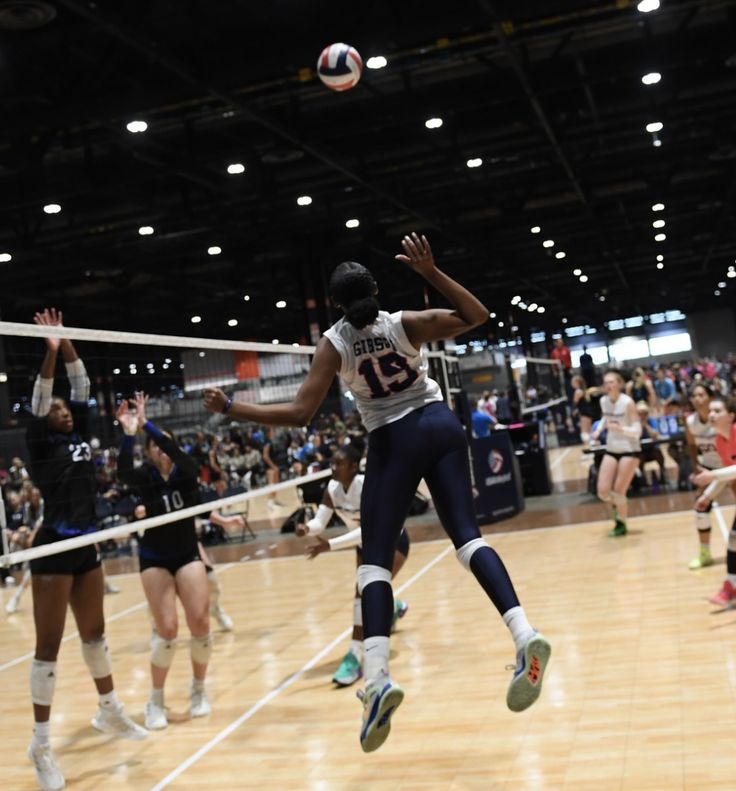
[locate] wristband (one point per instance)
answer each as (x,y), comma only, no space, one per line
(227,406)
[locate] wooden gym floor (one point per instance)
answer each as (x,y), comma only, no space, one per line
(640,693)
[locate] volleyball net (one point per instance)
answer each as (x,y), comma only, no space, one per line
(540,384)
(172,371)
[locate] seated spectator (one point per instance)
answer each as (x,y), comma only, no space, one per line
(17,471)
(482,422)
(639,388)
(664,387)
(649,431)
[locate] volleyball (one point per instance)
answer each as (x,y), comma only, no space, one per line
(339,66)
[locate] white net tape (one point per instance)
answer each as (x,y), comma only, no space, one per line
(140,526)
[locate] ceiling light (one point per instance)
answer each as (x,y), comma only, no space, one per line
(214,250)
(295,344)
(583,278)
(731,273)
(236,168)
(136,126)
(717,293)
(658,207)
(564,321)
(660,258)
(352,223)
(116,371)
(535,229)
(5,257)
(722,284)
(275,341)
(304,200)
(660,265)
(541,309)
(658,224)
(281,303)
(232,323)
(532,307)
(246,298)
(202,354)
(660,237)
(514,329)
(433,123)
(652,78)
(52,208)
(515,300)
(474,163)
(376,62)
(560,255)
(195,319)
(492,315)
(500,324)
(655,126)
(656,142)
(577,272)
(145,230)
(548,243)
(522,305)
(601,298)
(645,6)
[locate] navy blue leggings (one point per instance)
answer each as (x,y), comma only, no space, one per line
(428,443)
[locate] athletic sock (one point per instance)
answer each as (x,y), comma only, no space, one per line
(519,626)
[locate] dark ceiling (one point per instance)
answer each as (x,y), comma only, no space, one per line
(548,94)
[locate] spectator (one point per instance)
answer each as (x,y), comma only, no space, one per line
(587,368)
(17,471)
(666,393)
(482,422)
(562,353)
(649,431)
(639,388)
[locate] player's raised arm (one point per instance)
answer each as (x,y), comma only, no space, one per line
(424,326)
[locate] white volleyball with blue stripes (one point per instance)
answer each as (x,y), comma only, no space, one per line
(339,66)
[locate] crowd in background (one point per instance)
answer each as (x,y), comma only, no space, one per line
(236,458)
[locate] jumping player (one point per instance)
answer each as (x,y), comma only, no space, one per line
(623,449)
(169,557)
(62,468)
(343,494)
(701,445)
(412,435)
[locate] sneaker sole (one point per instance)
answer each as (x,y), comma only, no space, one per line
(523,691)
(378,731)
(345,682)
(133,736)
(29,753)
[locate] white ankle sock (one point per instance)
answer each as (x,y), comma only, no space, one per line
(197,685)
(356,649)
(41,732)
(110,702)
(157,697)
(521,631)
(376,658)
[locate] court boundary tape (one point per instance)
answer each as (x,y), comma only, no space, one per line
(284,685)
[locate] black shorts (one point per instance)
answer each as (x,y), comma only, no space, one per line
(73,563)
(172,564)
(628,455)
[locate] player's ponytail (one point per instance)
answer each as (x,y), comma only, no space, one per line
(353,288)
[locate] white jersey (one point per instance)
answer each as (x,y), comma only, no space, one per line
(384,372)
(346,500)
(620,443)
(705,440)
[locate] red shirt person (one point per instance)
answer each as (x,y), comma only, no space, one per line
(562,353)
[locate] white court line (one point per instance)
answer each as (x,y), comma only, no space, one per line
(560,458)
(266,699)
(115,617)
(721,521)
(71,636)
